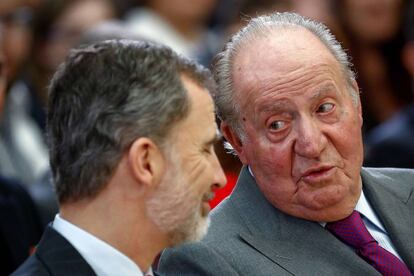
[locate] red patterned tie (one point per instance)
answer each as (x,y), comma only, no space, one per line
(352,231)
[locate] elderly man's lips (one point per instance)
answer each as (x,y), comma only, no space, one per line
(318,174)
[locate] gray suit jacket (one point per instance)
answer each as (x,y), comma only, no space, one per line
(248,236)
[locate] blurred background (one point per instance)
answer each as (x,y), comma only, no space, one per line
(36,35)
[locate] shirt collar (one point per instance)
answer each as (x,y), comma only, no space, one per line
(250,171)
(365,209)
(104,259)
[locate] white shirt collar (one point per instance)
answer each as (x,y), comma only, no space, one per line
(250,171)
(104,259)
(364,208)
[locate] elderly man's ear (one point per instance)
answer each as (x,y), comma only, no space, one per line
(359,106)
(233,138)
(146,162)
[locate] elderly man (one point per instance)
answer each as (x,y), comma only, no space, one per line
(131,128)
(302,205)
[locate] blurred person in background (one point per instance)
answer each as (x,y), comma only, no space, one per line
(374,37)
(24,152)
(108,30)
(131,127)
(22,143)
(20,227)
(44,30)
(57,27)
(9,5)
(46,34)
(180,24)
(391,144)
(231,15)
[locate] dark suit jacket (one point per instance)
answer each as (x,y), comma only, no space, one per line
(55,256)
(20,228)
(248,236)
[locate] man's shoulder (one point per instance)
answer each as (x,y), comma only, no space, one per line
(195,259)
(55,255)
(388,176)
(394,181)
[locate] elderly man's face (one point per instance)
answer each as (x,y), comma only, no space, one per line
(302,129)
(181,206)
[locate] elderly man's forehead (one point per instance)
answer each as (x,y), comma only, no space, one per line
(279,53)
(286,44)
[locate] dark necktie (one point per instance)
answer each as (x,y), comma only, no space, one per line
(352,231)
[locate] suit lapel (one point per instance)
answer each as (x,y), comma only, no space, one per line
(60,257)
(300,247)
(393,202)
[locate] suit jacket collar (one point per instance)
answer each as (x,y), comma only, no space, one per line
(299,246)
(59,256)
(394,204)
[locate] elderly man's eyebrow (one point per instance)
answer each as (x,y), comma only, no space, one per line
(324,90)
(274,106)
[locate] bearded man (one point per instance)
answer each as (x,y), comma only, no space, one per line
(131,130)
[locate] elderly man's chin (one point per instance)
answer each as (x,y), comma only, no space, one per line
(328,209)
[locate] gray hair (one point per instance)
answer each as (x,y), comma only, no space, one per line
(104,97)
(257,28)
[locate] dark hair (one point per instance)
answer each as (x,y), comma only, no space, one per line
(105,96)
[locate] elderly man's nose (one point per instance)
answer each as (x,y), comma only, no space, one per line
(310,140)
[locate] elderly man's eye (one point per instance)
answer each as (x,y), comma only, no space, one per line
(277,125)
(326,107)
